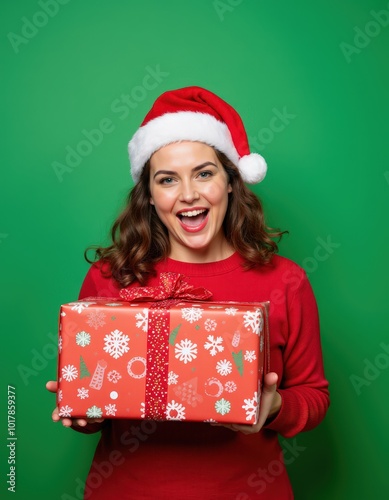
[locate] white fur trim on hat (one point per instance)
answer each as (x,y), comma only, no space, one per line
(180,126)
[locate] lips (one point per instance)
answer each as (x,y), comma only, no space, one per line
(193,220)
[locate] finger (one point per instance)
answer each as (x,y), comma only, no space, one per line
(269,390)
(244,429)
(52,385)
(232,427)
(67,422)
(55,416)
(270,379)
(80,422)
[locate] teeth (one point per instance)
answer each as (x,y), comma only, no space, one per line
(191,213)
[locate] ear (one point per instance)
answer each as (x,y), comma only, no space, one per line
(151,201)
(229,188)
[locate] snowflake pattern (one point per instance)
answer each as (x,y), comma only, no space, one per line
(250,356)
(231,311)
(175,411)
(116,344)
(83,393)
(191,314)
(65,411)
(230,386)
(253,320)
(69,373)
(80,306)
(252,407)
(210,325)
(224,367)
(83,339)
(222,406)
(59,395)
(96,319)
(143,319)
(172,378)
(214,345)
(114,376)
(60,344)
(186,351)
(94,412)
(110,409)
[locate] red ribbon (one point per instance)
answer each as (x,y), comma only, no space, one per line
(172,289)
(172,286)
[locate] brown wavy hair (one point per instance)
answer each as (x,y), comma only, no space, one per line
(140,240)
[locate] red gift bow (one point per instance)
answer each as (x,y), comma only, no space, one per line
(172,286)
(172,289)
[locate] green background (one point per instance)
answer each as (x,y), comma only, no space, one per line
(328,178)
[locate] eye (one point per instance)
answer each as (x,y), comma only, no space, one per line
(166,180)
(205,174)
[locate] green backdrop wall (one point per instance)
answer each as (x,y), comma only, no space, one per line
(69,67)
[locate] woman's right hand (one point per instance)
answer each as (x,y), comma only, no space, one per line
(52,386)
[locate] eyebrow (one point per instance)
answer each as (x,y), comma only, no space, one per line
(195,169)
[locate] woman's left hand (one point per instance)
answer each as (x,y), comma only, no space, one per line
(270,406)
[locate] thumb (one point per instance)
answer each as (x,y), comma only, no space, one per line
(267,396)
(52,386)
(270,380)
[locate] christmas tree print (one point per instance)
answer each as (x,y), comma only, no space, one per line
(84,372)
(173,334)
(187,392)
(238,359)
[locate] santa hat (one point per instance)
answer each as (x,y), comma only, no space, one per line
(195,114)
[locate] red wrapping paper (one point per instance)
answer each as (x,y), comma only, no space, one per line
(164,360)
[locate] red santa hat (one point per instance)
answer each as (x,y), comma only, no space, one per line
(195,114)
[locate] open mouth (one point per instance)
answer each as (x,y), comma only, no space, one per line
(193,218)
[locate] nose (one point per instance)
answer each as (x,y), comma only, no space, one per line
(188,192)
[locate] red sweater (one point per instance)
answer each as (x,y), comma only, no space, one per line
(177,460)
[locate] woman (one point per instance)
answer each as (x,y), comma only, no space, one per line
(191,213)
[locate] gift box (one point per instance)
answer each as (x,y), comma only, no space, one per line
(166,359)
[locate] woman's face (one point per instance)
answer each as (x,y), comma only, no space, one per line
(189,190)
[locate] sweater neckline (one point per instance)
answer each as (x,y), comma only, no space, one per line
(202,269)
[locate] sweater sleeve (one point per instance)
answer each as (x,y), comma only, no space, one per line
(98,282)
(89,287)
(303,387)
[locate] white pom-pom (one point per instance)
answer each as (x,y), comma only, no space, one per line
(252,168)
